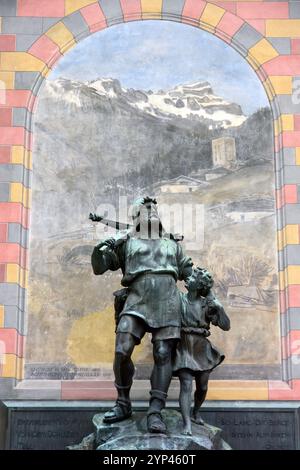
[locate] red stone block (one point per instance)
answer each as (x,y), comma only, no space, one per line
(14,342)
(295,46)
(17,98)
(277,143)
(12,135)
(230,24)
(297,122)
(283,65)
(88,390)
(229,6)
(25,217)
(10,252)
(7,42)
(279,201)
(279,390)
(23,261)
(259,25)
(45,50)
(94,17)
(282,301)
(290,194)
(52,8)
(261,74)
(5,154)
(291,138)
(5,117)
(294,296)
(193,9)
(2,272)
(131,9)
(33,104)
(28,140)
(222,36)
(291,344)
(284,348)
(263,10)
(284,390)
(14,212)
(3,233)
(294,343)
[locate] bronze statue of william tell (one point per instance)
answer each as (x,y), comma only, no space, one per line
(151,262)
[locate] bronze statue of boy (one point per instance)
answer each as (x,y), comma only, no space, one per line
(195,356)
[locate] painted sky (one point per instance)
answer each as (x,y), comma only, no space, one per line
(160,55)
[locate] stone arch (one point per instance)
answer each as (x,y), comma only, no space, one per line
(85,17)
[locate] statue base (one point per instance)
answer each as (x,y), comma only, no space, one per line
(132,434)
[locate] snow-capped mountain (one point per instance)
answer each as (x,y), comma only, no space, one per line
(195,101)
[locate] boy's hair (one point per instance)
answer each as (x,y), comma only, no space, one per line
(204,279)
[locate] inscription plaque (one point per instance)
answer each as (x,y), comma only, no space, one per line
(52,428)
(48,430)
(255,429)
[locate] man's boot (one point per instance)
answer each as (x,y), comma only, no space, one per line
(122,409)
(155,421)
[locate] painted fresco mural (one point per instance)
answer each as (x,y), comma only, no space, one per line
(125,114)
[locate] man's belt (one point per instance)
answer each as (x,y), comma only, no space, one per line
(196,331)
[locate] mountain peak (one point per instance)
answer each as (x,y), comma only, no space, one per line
(194,101)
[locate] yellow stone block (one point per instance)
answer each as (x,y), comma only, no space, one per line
(291,234)
(28,160)
(20,62)
(212,14)
(151,8)
(282,279)
(287,122)
(293,274)
(13,273)
(19,193)
(8,78)
(1,316)
(61,35)
(237,390)
(269,89)
(280,239)
(284,123)
(45,71)
(73,5)
(277,127)
(262,52)
(297,155)
(207,27)
(251,60)
(16,192)
(282,85)
(18,155)
(283,28)
(21,156)
(16,275)
(12,366)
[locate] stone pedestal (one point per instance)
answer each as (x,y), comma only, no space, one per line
(132,434)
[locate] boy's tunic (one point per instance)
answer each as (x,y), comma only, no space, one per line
(194,352)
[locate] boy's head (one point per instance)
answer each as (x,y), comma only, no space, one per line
(201,281)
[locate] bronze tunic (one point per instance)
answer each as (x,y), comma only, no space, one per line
(150,269)
(194,352)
